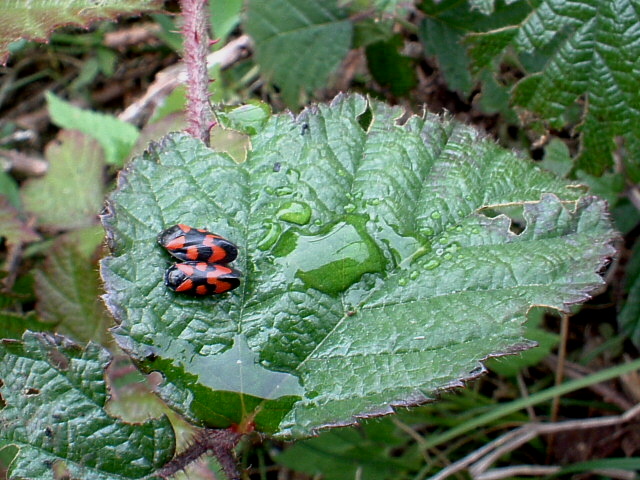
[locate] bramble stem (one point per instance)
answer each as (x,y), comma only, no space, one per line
(196,46)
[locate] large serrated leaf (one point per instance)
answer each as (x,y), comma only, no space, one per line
(376,269)
(595,62)
(298,44)
(52,408)
(35,19)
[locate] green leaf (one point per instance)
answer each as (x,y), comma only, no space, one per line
(369,452)
(116,137)
(511,366)
(390,68)
(442,40)
(68,290)
(596,63)
(629,316)
(36,19)
(298,44)
(372,276)
(70,195)
(53,394)
(13,325)
(225,16)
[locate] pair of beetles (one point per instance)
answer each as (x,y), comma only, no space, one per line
(204,257)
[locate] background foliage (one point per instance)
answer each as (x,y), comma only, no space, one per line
(551,78)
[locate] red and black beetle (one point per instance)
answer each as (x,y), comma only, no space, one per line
(200,278)
(197,245)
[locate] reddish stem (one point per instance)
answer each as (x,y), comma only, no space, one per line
(196,44)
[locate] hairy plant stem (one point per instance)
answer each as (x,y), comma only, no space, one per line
(196,46)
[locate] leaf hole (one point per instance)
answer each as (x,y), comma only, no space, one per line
(515,214)
(31,391)
(2,402)
(365,119)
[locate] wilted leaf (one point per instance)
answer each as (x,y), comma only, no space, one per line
(68,290)
(298,44)
(53,393)
(36,19)
(372,275)
(13,228)
(70,195)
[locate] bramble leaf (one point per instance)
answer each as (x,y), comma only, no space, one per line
(36,19)
(594,61)
(52,396)
(298,44)
(378,269)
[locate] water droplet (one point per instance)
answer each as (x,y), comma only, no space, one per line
(284,190)
(350,208)
(269,190)
(333,259)
(374,201)
(436,215)
(432,264)
(454,247)
(459,229)
(403,282)
(447,256)
(295,212)
(475,230)
(413,275)
(272,233)
(293,175)
(439,251)
(427,231)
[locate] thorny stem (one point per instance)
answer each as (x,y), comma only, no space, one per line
(196,44)
(218,442)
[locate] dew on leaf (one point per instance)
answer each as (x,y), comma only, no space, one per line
(295,212)
(427,231)
(271,235)
(403,282)
(439,251)
(283,191)
(333,259)
(413,275)
(432,264)
(436,215)
(349,208)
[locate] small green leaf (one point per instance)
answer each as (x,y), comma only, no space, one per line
(285,33)
(373,276)
(629,316)
(247,119)
(225,16)
(13,325)
(442,40)
(53,394)
(116,137)
(36,19)
(68,290)
(389,68)
(70,195)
